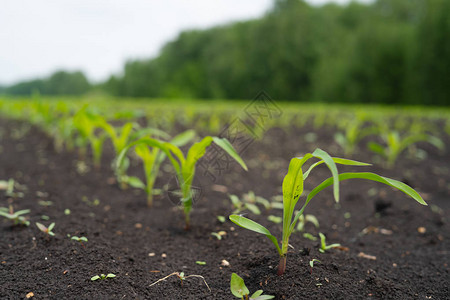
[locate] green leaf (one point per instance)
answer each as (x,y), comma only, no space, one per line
(110,275)
(373,177)
(275,219)
(226,145)
(253,226)
(256,294)
(337,160)
(263,297)
(253,208)
(238,287)
(201,263)
(51,226)
(183,138)
(41,227)
(135,182)
(94,278)
(377,148)
(319,153)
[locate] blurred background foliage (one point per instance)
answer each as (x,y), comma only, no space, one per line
(388,52)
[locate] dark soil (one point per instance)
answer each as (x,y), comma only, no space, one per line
(141,245)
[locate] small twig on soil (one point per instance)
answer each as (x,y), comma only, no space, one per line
(181,277)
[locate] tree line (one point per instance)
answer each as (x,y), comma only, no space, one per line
(388,51)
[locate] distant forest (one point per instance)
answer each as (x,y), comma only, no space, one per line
(389,51)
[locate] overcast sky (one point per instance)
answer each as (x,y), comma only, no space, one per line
(38,37)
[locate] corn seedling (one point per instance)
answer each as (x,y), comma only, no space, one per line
(185,165)
(102,277)
(323,245)
(120,138)
(395,145)
(293,184)
(46,230)
(239,290)
(16,217)
(152,159)
(182,278)
(86,123)
(353,133)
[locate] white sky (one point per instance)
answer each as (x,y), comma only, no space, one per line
(38,37)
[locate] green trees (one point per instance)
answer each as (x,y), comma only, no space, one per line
(388,51)
(59,83)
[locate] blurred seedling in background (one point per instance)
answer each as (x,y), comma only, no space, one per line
(323,245)
(120,138)
(182,277)
(293,187)
(354,131)
(9,186)
(250,200)
(219,234)
(87,123)
(102,277)
(239,206)
(47,230)
(396,144)
(17,217)
(80,239)
(303,219)
(240,290)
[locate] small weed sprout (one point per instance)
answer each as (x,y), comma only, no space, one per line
(323,245)
(240,205)
(293,185)
(312,261)
(46,230)
(311,264)
(239,290)
(309,236)
(16,217)
(102,277)
(219,234)
(303,219)
(80,239)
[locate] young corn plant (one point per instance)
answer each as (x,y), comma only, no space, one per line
(185,165)
(86,123)
(293,186)
(152,157)
(120,138)
(353,133)
(395,145)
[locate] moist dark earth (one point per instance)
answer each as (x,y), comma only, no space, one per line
(392,247)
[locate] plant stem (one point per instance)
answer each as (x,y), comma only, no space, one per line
(150,198)
(282,265)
